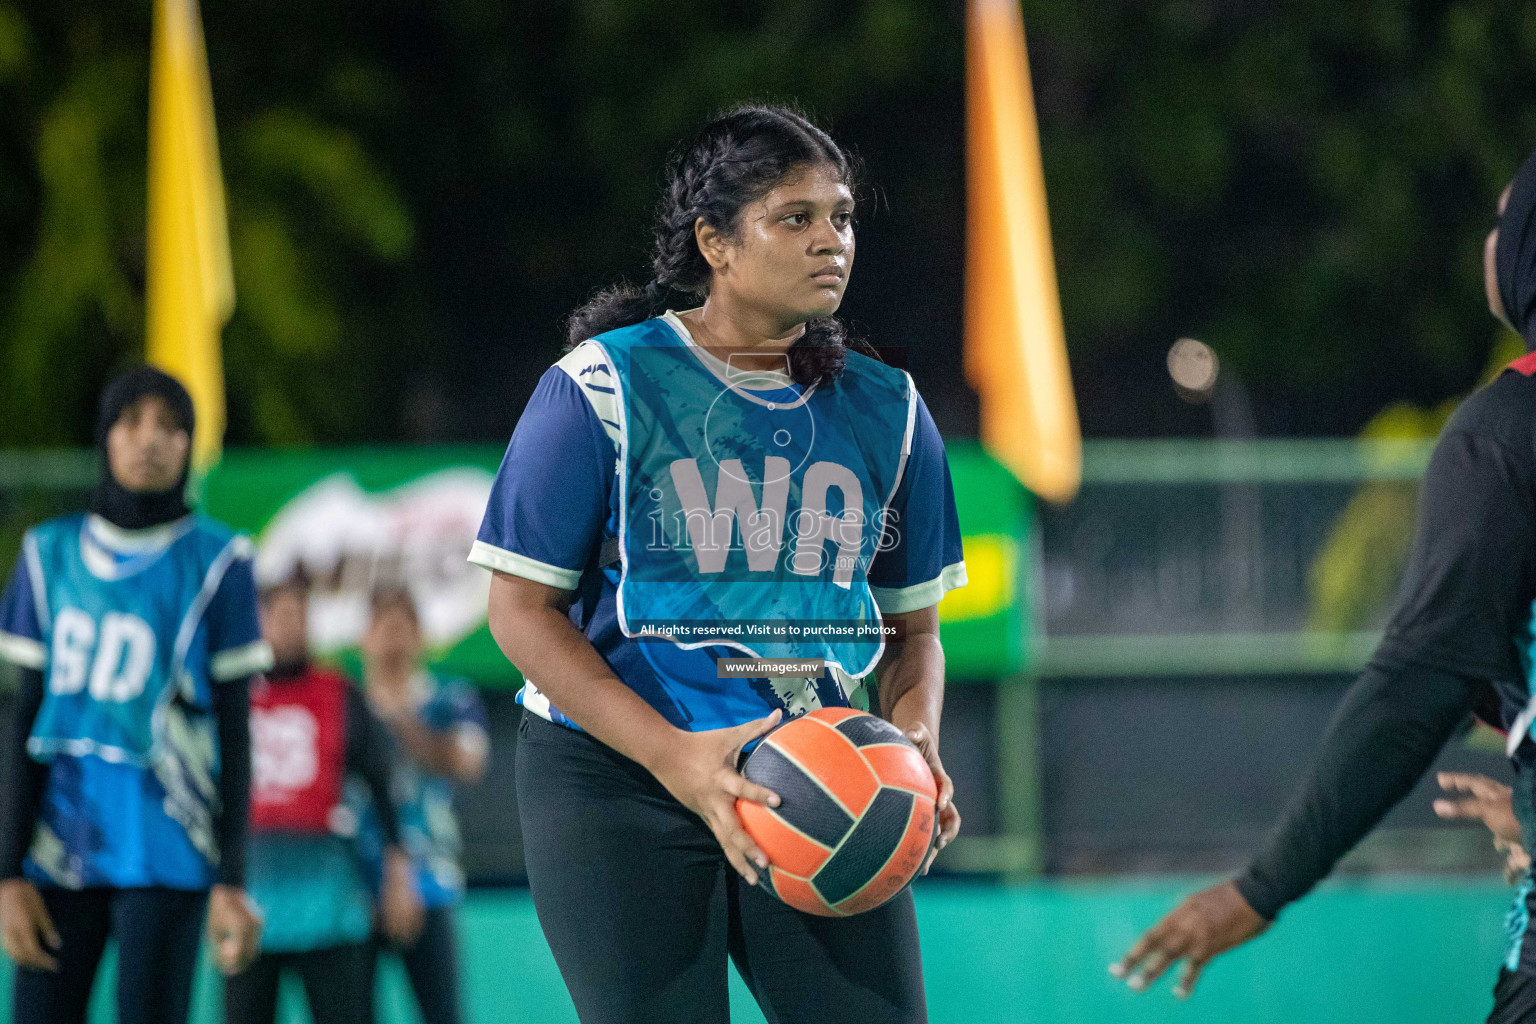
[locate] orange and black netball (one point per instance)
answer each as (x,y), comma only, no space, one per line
(857,817)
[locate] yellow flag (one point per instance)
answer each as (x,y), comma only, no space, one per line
(1015,348)
(191,289)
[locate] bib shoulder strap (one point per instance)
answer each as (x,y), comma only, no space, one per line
(893,377)
(652,332)
(1525,365)
(50,536)
(331,683)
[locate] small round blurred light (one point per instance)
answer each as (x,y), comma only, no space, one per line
(1194,368)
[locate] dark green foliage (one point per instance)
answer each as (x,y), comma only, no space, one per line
(420,191)
(1306,186)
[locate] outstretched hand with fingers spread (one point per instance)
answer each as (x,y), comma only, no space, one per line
(701,772)
(1201,928)
(1479,798)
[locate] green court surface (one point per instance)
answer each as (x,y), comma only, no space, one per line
(1394,950)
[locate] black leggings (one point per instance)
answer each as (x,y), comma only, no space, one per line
(157,933)
(338,982)
(1514,998)
(432,965)
(641,909)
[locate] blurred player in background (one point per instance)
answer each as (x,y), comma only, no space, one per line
(439,727)
(1459,642)
(310,729)
(134,626)
(626,763)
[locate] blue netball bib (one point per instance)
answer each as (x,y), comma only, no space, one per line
(1519,711)
(128,674)
(749,518)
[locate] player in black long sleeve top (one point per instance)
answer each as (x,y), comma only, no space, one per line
(1457,644)
(1466,596)
(125,802)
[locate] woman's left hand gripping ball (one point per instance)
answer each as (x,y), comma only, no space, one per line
(949,815)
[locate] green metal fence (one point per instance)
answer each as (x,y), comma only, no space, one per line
(1300,520)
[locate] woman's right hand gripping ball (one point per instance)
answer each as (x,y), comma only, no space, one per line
(699,768)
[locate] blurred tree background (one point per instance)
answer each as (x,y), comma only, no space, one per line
(420,191)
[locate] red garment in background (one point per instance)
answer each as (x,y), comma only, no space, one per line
(298,751)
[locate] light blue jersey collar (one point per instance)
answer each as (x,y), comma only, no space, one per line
(113,553)
(730,375)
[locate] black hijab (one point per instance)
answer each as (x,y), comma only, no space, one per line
(111,500)
(1515,253)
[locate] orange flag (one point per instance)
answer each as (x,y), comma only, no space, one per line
(1015,348)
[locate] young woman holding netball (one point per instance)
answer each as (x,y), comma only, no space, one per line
(618,573)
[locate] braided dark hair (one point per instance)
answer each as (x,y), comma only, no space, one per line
(739,158)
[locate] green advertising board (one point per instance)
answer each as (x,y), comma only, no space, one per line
(988,625)
(355,515)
